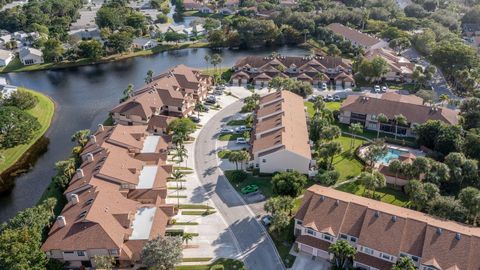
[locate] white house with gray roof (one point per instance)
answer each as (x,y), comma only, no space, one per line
(30,56)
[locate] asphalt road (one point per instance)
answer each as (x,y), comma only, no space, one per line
(256,247)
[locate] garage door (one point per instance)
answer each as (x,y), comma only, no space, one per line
(306,249)
(235,81)
(323,254)
(244,81)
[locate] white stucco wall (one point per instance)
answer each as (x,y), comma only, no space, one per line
(282,160)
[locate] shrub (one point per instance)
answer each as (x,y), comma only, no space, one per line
(21,99)
(327,178)
(237,176)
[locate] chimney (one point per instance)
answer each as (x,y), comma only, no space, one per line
(74,199)
(80,173)
(100,127)
(93,139)
(90,157)
(61,221)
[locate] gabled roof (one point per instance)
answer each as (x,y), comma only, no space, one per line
(353,35)
(414,112)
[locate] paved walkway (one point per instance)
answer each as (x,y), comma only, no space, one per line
(256,248)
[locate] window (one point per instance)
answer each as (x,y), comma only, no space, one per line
(311,232)
(415,258)
(68,252)
(81,253)
(299,222)
(367,250)
(343,236)
(264,160)
(353,239)
(386,256)
(327,237)
(179,108)
(113,252)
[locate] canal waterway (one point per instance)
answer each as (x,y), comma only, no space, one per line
(84,96)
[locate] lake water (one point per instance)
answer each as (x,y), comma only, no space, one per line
(84,96)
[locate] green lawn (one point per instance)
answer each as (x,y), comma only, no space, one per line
(283,242)
(44,112)
(231,137)
(346,163)
(228,264)
(264,183)
(238,122)
(386,194)
(332,106)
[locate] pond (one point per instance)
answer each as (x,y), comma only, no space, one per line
(84,96)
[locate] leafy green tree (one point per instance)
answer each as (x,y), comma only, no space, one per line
(216,38)
(127,93)
(136,20)
(404,263)
(447,207)
(327,178)
(395,166)
(375,68)
(110,17)
(439,136)
(90,49)
(20,249)
(52,50)
(182,127)
(280,221)
(162,252)
(120,42)
(333,50)
(279,203)
(65,171)
(470,112)
(400,44)
(149,77)
(470,199)
(104,262)
(288,183)
(216,60)
(330,132)
(16,127)
(343,254)
(375,151)
(21,99)
(400,119)
(382,119)
(174,36)
(372,181)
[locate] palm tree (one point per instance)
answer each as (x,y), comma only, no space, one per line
(305,32)
(372,181)
(404,263)
(354,129)
(400,119)
(177,176)
(215,60)
(243,157)
(149,77)
(234,157)
(178,139)
(444,99)
(395,166)
(187,237)
(343,254)
(181,153)
(127,92)
(81,137)
(207,59)
(382,119)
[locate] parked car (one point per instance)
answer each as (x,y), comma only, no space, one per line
(324,86)
(384,88)
(242,129)
(376,89)
(218,92)
(211,100)
(194,118)
(241,140)
(336,98)
(220,87)
(226,131)
(249,189)
(312,98)
(266,220)
(328,98)
(202,108)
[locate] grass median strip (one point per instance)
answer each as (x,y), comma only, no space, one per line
(194,206)
(185,223)
(175,188)
(179,196)
(225,264)
(202,259)
(197,213)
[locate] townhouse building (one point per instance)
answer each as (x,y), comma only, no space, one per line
(259,70)
(116,199)
(400,68)
(279,137)
(382,233)
(173,93)
(364,109)
(357,38)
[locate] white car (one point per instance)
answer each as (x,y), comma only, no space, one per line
(336,98)
(376,89)
(241,140)
(241,129)
(384,89)
(328,98)
(226,130)
(324,86)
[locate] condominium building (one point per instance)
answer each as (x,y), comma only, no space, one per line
(173,93)
(364,109)
(400,68)
(280,136)
(116,199)
(382,233)
(357,38)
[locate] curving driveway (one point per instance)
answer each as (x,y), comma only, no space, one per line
(256,248)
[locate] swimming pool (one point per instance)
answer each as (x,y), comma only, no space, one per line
(391,155)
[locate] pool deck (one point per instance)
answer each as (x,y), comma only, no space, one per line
(415,152)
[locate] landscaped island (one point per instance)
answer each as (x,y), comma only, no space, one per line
(43,112)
